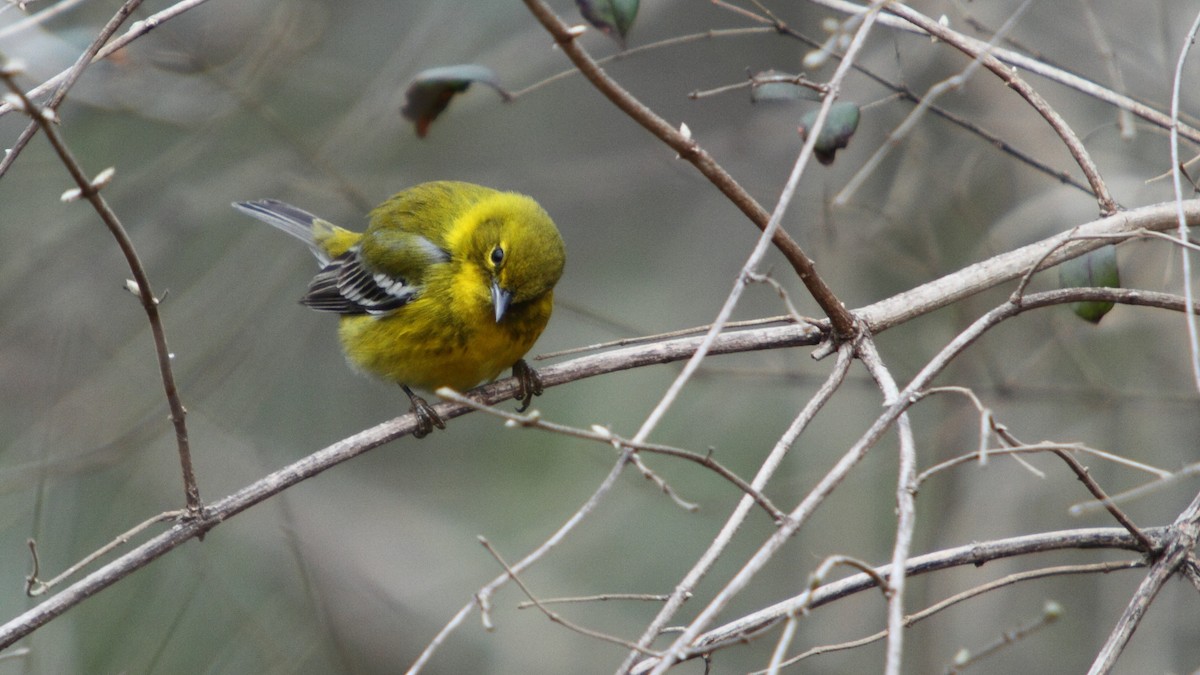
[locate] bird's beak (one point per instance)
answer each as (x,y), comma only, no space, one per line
(500,300)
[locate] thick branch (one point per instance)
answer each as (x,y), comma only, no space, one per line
(1012,265)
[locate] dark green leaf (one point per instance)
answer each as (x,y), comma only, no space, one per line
(431,91)
(614,18)
(1095,269)
(835,134)
(773,85)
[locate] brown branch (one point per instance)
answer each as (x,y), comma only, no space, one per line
(1013,264)
(1090,483)
(35,586)
(690,150)
(1175,548)
(89,189)
(1108,206)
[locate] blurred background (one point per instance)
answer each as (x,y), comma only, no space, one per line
(357,570)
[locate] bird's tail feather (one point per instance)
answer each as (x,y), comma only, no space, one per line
(295,221)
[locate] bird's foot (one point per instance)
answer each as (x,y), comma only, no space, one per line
(529,384)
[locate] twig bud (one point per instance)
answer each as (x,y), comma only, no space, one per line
(12,67)
(103,178)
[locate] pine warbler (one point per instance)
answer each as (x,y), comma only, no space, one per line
(450,284)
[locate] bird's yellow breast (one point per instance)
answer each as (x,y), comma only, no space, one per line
(443,340)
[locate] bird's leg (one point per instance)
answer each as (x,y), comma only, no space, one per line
(427,417)
(529,384)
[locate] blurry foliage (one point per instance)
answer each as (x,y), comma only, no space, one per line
(431,91)
(357,570)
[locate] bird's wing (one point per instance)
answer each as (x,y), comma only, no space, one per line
(352,284)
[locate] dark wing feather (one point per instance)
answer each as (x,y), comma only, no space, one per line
(346,286)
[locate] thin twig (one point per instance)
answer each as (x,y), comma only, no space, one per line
(1108,205)
(894,138)
(482,598)
(748,323)
(1032,448)
(604,597)
(1179,542)
(35,586)
(701,567)
(1050,613)
(1137,492)
(551,614)
(633,51)
(1190,317)
(781,647)
(89,189)
(985,418)
(1030,64)
(1092,568)
(975,554)
(1101,496)
(1109,56)
(662,484)
(605,436)
(906,510)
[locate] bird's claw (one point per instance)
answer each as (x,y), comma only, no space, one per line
(529,384)
(427,417)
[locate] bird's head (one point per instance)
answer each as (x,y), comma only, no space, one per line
(519,249)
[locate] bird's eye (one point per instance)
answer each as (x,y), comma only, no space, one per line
(497,256)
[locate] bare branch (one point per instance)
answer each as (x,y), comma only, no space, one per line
(1093,568)
(1175,546)
(551,614)
(69,77)
(710,556)
(974,555)
(906,509)
(1032,65)
(1108,206)
(1184,235)
(1013,264)
(89,189)
(534,419)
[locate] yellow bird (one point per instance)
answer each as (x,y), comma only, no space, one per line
(450,284)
